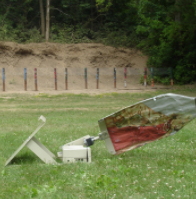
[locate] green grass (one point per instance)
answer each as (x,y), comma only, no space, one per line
(162,169)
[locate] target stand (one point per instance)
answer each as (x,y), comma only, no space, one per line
(36,147)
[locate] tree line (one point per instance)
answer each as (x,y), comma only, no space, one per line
(164,29)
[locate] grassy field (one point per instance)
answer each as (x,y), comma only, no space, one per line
(162,169)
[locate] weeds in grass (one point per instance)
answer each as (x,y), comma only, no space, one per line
(12,81)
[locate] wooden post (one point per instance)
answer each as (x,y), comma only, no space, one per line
(42,17)
(55,78)
(85,73)
(25,79)
(66,78)
(47,20)
(171,73)
(92,14)
(152,77)
(3,73)
(114,77)
(35,72)
(97,78)
(145,77)
(125,75)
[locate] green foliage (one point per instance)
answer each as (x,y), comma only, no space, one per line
(166,80)
(148,80)
(162,80)
(169,43)
(185,74)
(71,34)
(103,5)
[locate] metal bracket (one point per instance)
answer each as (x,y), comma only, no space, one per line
(104,135)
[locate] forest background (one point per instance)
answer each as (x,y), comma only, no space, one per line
(165,30)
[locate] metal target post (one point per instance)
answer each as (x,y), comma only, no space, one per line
(85,74)
(25,79)
(35,77)
(55,78)
(66,78)
(171,73)
(152,77)
(125,75)
(114,77)
(3,74)
(97,78)
(145,77)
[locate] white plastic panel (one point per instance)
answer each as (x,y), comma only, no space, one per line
(35,146)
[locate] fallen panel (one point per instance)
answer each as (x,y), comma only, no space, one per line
(146,121)
(36,147)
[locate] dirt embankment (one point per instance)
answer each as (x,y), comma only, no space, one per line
(75,57)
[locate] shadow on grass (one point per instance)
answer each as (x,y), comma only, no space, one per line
(24,159)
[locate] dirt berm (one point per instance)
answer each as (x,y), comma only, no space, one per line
(75,57)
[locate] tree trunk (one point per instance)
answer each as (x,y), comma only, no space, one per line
(177,15)
(47,20)
(91,14)
(42,18)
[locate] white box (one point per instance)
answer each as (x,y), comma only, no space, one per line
(75,153)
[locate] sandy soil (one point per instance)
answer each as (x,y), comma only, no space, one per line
(75,57)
